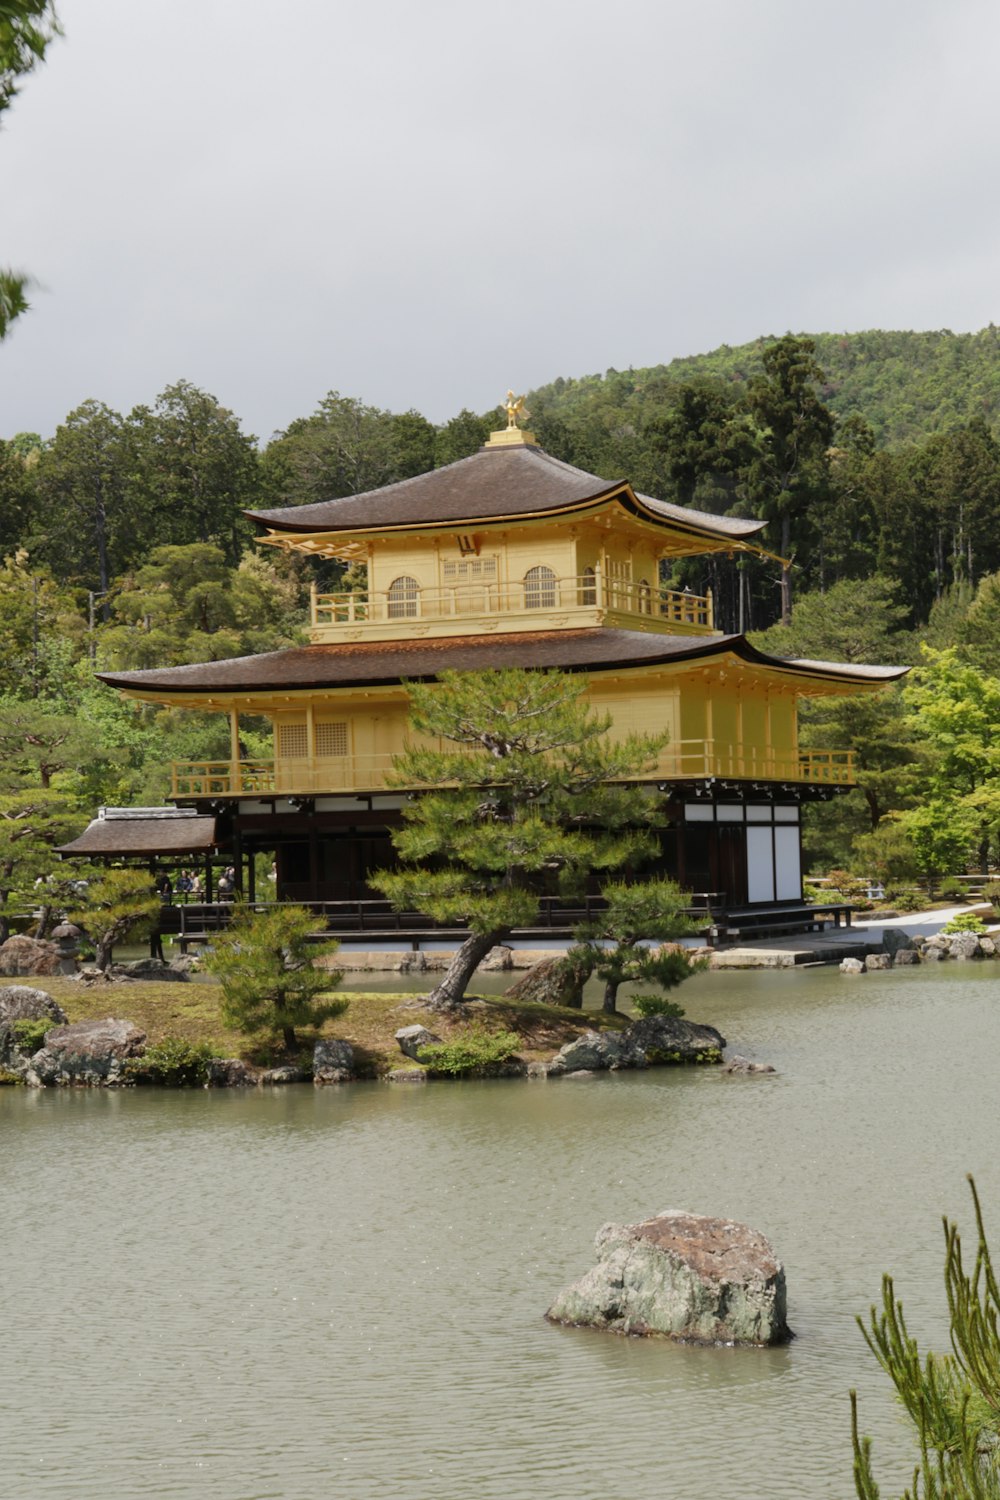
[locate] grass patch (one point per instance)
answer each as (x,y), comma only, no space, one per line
(189,1012)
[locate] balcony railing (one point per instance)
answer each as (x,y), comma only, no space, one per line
(679,761)
(583,599)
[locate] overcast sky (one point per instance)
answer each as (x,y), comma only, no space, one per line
(422,202)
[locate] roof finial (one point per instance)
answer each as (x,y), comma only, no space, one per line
(514,407)
(513,436)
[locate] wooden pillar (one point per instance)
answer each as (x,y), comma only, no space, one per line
(311,745)
(234,749)
(313,862)
(237,859)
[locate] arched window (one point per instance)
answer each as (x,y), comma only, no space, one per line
(645,604)
(588,586)
(403,595)
(539,588)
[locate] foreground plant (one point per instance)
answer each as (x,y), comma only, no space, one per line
(953,1399)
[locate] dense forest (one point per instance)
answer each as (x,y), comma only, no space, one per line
(873,458)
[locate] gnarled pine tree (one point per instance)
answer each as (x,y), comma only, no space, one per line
(532,799)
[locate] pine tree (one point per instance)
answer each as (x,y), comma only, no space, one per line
(532,798)
(953,1400)
(117,904)
(265,963)
(615,943)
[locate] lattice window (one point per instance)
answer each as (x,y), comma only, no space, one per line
(473,567)
(539,588)
(331,739)
(588,586)
(403,595)
(293,741)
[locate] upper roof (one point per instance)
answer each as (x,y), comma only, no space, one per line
(364,663)
(494,484)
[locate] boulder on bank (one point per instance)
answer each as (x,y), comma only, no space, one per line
(551,981)
(229,1073)
(851,966)
(895,941)
(672,1039)
(18,1002)
(175,972)
(333,1061)
(412,1040)
(647,1043)
(21,955)
(90,1053)
(688,1276)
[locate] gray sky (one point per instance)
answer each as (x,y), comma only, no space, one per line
(419,204)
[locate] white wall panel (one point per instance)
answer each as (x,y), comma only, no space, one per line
(760,864)
(787,864)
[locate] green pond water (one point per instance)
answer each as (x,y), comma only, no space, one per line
(328,1293)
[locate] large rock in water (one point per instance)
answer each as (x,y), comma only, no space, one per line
(90,1053)
(706,1280)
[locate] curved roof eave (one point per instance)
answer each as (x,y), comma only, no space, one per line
(367,664)
(489,488)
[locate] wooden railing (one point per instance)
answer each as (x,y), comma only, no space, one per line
(681,760)
(581,594)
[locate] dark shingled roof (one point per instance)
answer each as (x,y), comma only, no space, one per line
(494,483)
(361,664)
(138,835)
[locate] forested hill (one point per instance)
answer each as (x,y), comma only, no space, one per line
(906,385)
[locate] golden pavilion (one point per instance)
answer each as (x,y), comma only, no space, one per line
(508,558)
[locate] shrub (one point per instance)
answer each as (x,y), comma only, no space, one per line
(655,1005)
(953,889)
(29,1035)
(473,1050)
(815,894)
(904,898)
(966,921)
(172,1063)
(991,893)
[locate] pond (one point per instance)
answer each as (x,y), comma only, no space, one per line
(340,1292)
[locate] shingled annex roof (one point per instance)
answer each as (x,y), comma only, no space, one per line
(153,834)
(494,484)
(364,664)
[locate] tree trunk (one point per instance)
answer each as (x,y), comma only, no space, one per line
(103,952)
(449,994)
(610,994)
(786,572)
(289,1038)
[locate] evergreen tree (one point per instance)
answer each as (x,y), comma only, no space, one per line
(615,944)
(265,963)
(531,800)
(953,1400)
(118,903)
